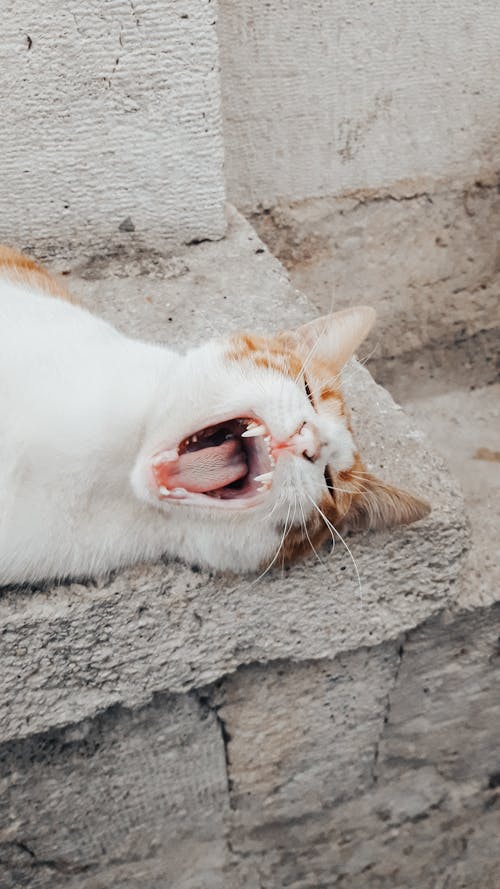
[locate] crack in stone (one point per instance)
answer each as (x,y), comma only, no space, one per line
(205,698)
(60,865)
(387,709)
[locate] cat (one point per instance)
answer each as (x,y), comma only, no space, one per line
(232,456)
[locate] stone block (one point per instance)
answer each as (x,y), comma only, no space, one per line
(111,128)
(126,799)
(377,770)
(322,99)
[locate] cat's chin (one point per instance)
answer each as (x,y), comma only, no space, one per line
(228,464)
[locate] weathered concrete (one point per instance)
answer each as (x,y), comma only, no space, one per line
(464,426)
(111,127)
(122,795)
(428,262)
(377,770)
(364,151)
(323,98)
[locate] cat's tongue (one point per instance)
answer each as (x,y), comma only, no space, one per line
(208,468)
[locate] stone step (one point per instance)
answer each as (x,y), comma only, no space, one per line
(172,628)
(169,727)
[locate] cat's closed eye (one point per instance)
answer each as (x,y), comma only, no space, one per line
(308,391)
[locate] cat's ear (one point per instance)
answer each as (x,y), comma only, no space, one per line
(375,504)
(333,338)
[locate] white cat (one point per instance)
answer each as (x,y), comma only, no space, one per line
(112,451)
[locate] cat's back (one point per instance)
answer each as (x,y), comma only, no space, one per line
(17,268)
(39,316)
(52,351)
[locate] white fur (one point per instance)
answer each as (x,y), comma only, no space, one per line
(83,408)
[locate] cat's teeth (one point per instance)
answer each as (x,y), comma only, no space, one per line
(165,457)
(253,429)
(194,438)
(164,491)
(266,478)
(178,492)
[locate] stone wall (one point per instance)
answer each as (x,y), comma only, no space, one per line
(111,131)
(321,99)
(362,142)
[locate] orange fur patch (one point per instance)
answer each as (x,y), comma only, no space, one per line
(264,352)
(22,270)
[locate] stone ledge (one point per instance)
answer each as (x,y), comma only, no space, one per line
(69,652)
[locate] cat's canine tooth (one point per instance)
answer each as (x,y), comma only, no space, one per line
(178,492)
(252,430)
(265,478)
(165,457)
(194,438)
(163,491)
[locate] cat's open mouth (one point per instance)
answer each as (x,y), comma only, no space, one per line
(229,463)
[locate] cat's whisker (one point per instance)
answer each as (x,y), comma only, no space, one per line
(280,500)
(333,530)
(304,525)
(283,537)
(309,356)
(343,490)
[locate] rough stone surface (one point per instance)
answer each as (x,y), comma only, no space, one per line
(464,426)
(116,801)
(111,127)
(69,652)
(377,770)
(428,262)
(320,98)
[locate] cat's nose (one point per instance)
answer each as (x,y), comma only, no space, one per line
(306,442)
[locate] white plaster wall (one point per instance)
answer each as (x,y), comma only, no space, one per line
(110,116)
(325,96)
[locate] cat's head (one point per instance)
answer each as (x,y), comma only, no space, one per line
(251,454)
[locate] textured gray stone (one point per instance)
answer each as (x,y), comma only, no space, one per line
(323,98)
(111,125)
(427,260)
(119,798)
(378,770)
(69,652)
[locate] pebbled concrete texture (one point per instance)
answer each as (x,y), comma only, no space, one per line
(111,126)
(168,727)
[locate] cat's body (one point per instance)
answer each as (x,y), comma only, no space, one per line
(95,426)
